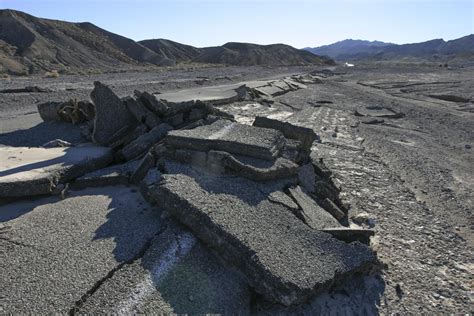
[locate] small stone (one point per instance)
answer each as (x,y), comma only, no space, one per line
(363,218)
(334,135)
(56,143)
(398,289)
(467,146)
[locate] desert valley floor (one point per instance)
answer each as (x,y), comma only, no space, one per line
(397,139)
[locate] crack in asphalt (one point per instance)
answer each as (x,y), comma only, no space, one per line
(18,243)
(79,303)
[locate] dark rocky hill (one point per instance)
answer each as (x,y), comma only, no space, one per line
(245,54)
(34,45)
(172,50)
(430,50)
(31,44)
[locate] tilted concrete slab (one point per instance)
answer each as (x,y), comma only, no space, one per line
(284,260)
(27,171)
(229,136)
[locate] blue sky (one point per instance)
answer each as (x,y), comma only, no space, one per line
(299,23)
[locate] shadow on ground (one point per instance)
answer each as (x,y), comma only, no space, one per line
(41,134)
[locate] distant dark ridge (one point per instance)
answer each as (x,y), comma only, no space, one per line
(431,50)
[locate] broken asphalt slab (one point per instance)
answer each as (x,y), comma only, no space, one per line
(216,95)
(28,171)
(220,162)
(57,251)
(224,94)
(113,175)
(284,259)
(231,137)
(177,275)
(377,112)
(112,117)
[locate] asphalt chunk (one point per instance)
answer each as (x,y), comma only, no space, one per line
(284,260)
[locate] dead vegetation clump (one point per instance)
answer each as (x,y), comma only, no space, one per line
(51,74)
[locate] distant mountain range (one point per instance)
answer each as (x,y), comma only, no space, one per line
(431,50)
(30,45)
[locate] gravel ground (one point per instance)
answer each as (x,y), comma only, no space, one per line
(411,175)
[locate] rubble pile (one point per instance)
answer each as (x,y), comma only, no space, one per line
(72,111)
(253,193)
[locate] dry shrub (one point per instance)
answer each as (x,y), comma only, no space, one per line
(51,74)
